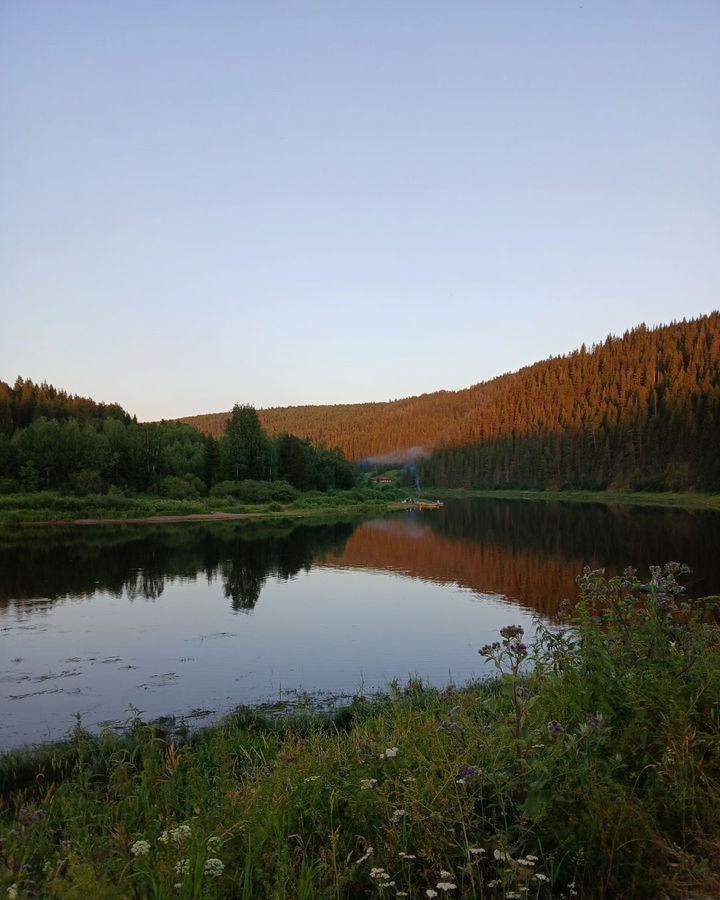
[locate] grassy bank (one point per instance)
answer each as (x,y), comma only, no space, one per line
(45,507)
(626,498)
(589,768)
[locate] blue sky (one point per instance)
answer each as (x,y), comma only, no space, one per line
(325,202)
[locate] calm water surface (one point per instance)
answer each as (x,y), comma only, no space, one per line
(191,620)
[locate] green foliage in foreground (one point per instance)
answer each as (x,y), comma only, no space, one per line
(590,767)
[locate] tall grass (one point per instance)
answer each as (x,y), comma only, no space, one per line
(589,767)
(52,506)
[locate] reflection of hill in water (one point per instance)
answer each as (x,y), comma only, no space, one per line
(536,581)
(532,552)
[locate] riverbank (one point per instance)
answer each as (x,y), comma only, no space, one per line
(612,498)
(590,768)
(53,508)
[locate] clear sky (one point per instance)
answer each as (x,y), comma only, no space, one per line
(321,202)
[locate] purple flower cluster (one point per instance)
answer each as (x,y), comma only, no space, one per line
(510,632)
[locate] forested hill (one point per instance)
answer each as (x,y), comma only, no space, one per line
(25,402)
(641,410)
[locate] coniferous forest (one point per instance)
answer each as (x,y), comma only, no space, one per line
(637,412)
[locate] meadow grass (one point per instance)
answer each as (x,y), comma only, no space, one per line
(588,767)
(46,507)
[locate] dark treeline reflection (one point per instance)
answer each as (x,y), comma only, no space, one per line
(613,537)
(533,551)
(140,561)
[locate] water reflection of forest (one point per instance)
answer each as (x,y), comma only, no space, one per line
(533,552)
(141,562)
(529,552)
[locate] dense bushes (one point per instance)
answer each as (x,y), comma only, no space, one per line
(251,491)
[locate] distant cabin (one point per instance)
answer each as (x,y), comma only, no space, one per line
(382,480)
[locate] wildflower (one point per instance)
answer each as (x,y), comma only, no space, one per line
(445,874)
(555,729)
(595,720)
(468,774)
(140,848)
(398,814)
(379,874)
(367,784)
(365,856)
(407,855)
(311,778)
(389,753)
(446,886)
(503,857)
(182,867)
(532,858)
(12,892)
(430,893)
(214,867)
(540,877)
(386,884)
(489,649)
(29,817)
(213,842)
(512,631)
(175,834)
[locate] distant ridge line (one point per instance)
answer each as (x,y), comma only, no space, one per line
(634,375)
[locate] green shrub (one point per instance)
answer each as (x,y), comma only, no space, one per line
(86,481)
(188,487)
(8,485)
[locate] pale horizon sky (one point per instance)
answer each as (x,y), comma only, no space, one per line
(281,204)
